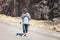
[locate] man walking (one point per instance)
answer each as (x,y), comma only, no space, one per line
(25,20)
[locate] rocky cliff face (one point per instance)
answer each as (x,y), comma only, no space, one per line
(39,9)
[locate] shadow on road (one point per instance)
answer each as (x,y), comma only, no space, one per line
(19,34)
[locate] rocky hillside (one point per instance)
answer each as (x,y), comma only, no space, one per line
(39,9)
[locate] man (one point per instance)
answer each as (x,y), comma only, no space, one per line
(25,20)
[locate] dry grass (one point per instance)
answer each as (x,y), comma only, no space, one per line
(34,23)
(9,18)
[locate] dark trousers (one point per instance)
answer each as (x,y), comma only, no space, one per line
(25,28)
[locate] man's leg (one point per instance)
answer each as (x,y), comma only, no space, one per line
(26,28)
(23,28)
